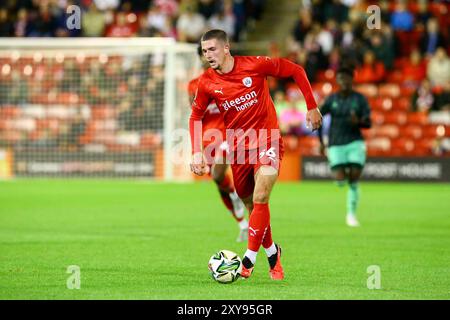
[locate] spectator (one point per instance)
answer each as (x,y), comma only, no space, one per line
(432,39)
(383,51)
(44,25)
(279,101)
(104,5)
(423,99)
(121,28)
(385,12)
(223,20)
(402,19)
(190,26)
(414,70)
(6,26)
(292,119)
(325,37)
(157,19)
(303,25)
(93,22)
(22,25)
(443,99)
(439,69)
(370,71)
(423,14)
(207,8)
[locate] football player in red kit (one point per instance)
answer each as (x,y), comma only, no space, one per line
(217,168)
(238,86)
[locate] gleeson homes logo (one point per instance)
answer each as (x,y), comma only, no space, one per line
(241,103)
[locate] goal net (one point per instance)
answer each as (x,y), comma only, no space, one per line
(96,107)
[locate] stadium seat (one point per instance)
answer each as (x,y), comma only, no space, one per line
(377,117)
(368,90)
(381,103)
(309,145)
(407,91)
(379,143)
(419,118)
(387,130)
(395,117)
(391,90)
(433,131)
(402,103)
(402,146)
(412,132)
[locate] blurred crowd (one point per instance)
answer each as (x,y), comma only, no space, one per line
(409,47)
(184,20)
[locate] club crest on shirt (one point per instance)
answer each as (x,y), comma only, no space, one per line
(247,81)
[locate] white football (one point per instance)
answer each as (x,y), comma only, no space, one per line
(225,266)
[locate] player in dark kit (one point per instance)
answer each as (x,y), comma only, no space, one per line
(349,112)
(239,87)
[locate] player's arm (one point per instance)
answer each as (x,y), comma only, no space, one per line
(361,117)
(199,106)
(365,119)
(283,68)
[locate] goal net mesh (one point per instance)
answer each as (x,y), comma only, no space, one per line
(95,107)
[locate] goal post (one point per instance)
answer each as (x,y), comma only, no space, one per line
(96,107)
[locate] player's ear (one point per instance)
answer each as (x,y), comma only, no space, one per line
(226,47)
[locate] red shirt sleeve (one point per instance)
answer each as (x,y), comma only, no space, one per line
(283,68)
(199,106)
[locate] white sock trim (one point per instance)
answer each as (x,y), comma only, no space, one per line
(271,250)
(251,255)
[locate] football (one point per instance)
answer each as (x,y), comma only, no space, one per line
(225,266)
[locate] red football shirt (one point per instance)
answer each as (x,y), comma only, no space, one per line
(242,96)
(212,119)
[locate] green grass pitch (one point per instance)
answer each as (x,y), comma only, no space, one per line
(143,240)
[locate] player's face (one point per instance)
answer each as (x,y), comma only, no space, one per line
(344,81)
(215,52)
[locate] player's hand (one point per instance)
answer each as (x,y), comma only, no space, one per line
(198,165)
(314,119)
(322,149)
(354,120)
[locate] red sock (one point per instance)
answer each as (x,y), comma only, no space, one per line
(267,241)
(258,225)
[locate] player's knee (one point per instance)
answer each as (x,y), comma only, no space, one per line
(261,197)
(218,175)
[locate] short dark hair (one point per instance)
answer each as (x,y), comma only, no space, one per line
(199,50)
(349,70)
(215,34)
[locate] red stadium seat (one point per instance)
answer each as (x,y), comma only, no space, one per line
(368,90)
(402,146)
(377,117)
(402,103)
(381,103)
(391,90)
(411,132)
(395,117)
(419,118)
(387,130)
(434,131)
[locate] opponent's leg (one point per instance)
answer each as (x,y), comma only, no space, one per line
(353,195)
(224,181)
